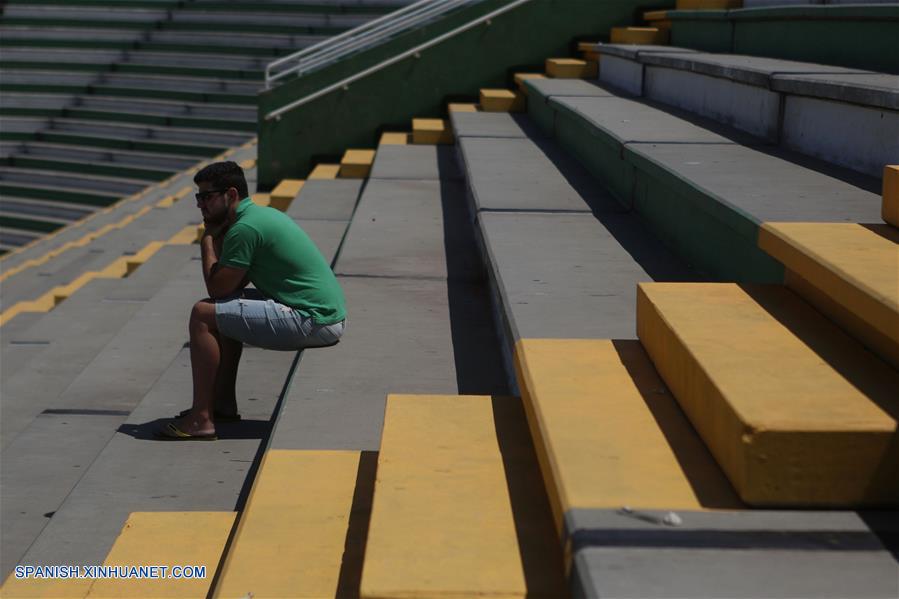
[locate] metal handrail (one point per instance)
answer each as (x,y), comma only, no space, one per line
(276,114)
(369,33)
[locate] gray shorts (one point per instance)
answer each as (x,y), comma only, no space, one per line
(262,322)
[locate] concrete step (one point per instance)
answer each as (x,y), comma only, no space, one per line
(458,487)
(293,541)
(804,107)
(608,433)
(95,156)
(696,183)
(849,272)
(91,508)
(577,275)
(95,14)
(83,232)
(128,131)
(42,208)
(196,15)
(105,185)
(761,553)
(795,411)
(104,80)
(447,344)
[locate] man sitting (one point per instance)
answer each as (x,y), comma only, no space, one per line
(297,301)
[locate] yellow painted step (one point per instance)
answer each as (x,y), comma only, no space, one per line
(848,271)
(442,523)
(391,138)
(609,434)
(325,171)
(461,107)
(520,78)
(655,15)
(794,410)
(262,199)
(356,164)
(248,164)
(120,267)
(502,100)
(708,4)
(291,536)
(890,208)
(570,68)
(167,539)
(284,193)
(148,539)
(639,35)
(431,132)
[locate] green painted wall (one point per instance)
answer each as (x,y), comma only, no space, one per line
(861,37)
(419,87)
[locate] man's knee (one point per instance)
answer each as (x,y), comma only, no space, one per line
(202,316)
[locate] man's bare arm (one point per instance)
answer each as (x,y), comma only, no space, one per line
(221,281)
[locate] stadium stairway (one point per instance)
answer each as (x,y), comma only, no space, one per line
(700,325)
(100,99)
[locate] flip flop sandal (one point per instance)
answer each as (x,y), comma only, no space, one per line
(170,432)
(217,416)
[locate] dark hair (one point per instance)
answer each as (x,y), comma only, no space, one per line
(223,175)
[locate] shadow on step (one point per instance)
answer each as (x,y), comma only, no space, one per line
(538,541)
(350,577)
(245,429)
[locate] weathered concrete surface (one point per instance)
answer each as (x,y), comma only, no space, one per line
(751,554)
(521,174)
(573,275)
(769,185)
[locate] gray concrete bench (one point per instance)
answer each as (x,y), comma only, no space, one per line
(846,116)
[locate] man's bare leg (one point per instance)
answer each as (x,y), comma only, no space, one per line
(205,358)
(226,377)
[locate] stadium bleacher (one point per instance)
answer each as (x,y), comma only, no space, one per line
(628,328)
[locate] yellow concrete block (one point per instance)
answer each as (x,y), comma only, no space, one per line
(356,164)
(655,15)
(795,412)
(848,271)
(184,192)
(166,202)
(664,26)
(442,523)
(608,433)
(185,236)
(520,78)
(502,100)
(284,193)
(431,132)
(591,57)
(639,35)
(461,107)
(708,4)
(586,46)
(291,536)
(890,207)
(325,171)
(263,199)
(248,164)
(570,68)
(167,539)
(391,138)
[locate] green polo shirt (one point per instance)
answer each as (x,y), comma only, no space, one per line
(282,262)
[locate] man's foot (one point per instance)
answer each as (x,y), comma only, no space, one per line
(217,416)
(171,432)
(193,425)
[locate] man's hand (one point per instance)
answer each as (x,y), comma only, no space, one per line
(221,281)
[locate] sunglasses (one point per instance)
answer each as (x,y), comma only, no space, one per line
(203,196)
